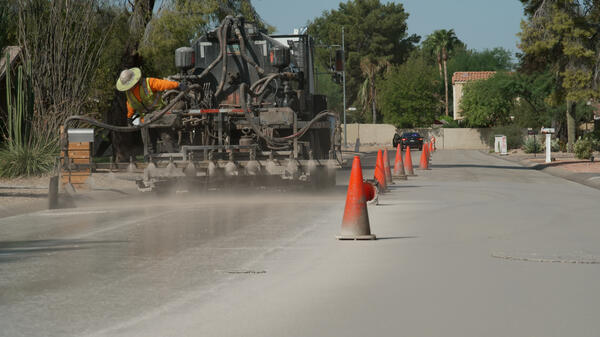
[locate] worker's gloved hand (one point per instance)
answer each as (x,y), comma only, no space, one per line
(182,86)
(134,120)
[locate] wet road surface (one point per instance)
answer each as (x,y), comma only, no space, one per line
(477,246)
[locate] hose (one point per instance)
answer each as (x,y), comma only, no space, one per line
(276,141)
(248,59)
(223,45)
(133,128)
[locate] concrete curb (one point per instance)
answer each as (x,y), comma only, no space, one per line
(588,179)
(68,200)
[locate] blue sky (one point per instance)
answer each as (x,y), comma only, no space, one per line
(480,24)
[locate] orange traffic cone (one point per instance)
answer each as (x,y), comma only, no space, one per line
(408,166)
(380,172)
(371,192)
(399,165)
(424,164)
(431,149)
(355,224)
(386,167)
(433,142)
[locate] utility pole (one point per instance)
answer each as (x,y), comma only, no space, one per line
(344,86)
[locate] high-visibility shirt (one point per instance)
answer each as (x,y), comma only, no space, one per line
(154,85)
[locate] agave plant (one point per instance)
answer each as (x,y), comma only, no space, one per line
(23,153)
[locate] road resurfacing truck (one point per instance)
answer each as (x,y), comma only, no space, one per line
(250,113)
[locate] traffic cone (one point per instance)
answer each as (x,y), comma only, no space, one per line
(408,166)
(429,155)
(424,164)
(371,192)
(379,172)
(387,169)
(355,224)
(433,141)
(399,165)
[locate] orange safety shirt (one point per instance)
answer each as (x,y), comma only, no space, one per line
(155,85)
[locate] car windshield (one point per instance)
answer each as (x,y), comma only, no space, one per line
(411,135)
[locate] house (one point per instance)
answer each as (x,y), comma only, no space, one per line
(459,79)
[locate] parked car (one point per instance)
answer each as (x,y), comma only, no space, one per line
(410,139)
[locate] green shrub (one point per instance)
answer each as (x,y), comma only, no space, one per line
(562,145)
(26,150)
(532,146)
(449,122)
(30,159)
(513,133)
(554,145)
(595,138)
(584,148)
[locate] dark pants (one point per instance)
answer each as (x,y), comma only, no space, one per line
(147,143)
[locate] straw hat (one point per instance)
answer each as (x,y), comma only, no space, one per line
(128,79)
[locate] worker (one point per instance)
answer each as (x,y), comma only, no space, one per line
(143,97)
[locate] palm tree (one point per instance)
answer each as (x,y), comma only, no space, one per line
(367,94)
(442,42)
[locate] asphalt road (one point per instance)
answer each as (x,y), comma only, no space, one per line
(477,246)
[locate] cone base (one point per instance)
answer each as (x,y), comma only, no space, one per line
(356,237)
(423,169)
(401,177)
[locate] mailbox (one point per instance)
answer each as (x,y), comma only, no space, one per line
(80,135)
(548,130)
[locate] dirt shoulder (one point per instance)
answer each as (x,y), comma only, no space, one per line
(30,194)
(563,165)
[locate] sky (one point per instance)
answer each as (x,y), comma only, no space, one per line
(481,24)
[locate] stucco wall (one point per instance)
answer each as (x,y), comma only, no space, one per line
(465,139)
(370,134)
(457,92)
(446,138)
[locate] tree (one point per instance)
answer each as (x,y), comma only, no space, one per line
(563,34)
(367,94)
(442,42)
(496,59)
(371,29)
(328,87)
(490,102)
(409,95)
(7,24)
(63,51)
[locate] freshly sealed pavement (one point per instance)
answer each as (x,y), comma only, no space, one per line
(477,246)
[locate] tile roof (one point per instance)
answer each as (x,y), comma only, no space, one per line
(467,76)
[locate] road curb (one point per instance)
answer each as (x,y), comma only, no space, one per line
(588,179)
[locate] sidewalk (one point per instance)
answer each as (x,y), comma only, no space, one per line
(564,165)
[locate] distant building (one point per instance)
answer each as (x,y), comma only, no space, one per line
(458,81)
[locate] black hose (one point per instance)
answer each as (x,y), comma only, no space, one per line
(221,54)
(276,141)
(248,59)
(133,128)
(223,45)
